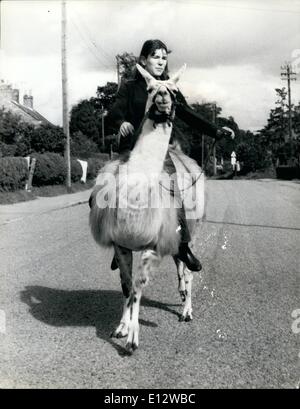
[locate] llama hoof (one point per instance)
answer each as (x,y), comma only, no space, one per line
(185,318)
(131,347)
(120,332)
(120,335)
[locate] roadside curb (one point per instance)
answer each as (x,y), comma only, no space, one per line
(23,210)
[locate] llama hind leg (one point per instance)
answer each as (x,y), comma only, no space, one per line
(187,306)
(149,261)
(180,274)
(185,278)
(124,260)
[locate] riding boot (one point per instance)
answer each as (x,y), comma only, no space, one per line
(184,252)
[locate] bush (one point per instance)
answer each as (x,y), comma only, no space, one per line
(50,169)
(7,150)
(287,172)
(13,173)
(48,138)
(82,147)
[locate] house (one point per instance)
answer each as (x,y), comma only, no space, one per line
(9,99)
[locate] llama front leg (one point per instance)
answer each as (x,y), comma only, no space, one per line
(122,330)
(133,306)
(149,261)
(124,260)
(180,275)
(187,307)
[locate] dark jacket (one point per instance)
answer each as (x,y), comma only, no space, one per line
(130,106)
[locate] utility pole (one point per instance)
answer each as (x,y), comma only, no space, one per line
(202,152)
(65,92)
(214,120)
(288,75)
(103,115)
(118,71)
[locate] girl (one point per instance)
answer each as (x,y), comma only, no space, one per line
(128,112)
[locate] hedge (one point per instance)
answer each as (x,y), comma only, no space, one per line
(50,169)
(13,173)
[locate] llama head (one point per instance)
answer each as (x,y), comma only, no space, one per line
(161,93)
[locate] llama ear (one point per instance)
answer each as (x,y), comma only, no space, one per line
(148,77)
(175,77)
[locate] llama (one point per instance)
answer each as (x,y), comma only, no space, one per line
(132,208)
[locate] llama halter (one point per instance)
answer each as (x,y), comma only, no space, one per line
(161,117)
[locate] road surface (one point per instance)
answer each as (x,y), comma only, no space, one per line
(59,301)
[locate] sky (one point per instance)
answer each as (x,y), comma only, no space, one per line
(234,50)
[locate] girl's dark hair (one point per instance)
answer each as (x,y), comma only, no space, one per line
(149,48)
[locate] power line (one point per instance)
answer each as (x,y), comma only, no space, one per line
(87,38)
(209,4)
(97,46)
(105,65)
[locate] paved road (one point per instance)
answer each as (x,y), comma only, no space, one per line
(61,301)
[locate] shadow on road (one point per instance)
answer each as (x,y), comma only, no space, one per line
(101,309)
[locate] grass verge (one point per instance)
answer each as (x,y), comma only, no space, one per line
(44,191)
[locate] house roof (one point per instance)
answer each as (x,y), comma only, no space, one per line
(33,113)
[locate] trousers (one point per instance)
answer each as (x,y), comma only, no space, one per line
(175,191)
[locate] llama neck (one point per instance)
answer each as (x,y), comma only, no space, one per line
(150,150)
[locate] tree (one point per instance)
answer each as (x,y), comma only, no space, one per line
(274,135)
(126,65)
(251,153)
(48,138)
(106,94)
(12,127)
(191,139)
(15,134)
(82,146)
(86,116)
(18,138)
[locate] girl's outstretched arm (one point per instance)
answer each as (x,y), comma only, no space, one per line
(197,121)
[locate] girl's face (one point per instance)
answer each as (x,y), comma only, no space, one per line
(155,64)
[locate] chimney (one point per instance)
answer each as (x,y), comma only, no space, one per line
(6,91)
(15,95)
(28,101)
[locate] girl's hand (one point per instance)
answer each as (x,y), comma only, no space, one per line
(230,131)
(126,129)
(225,132)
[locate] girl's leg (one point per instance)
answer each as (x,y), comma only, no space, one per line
(184,252)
